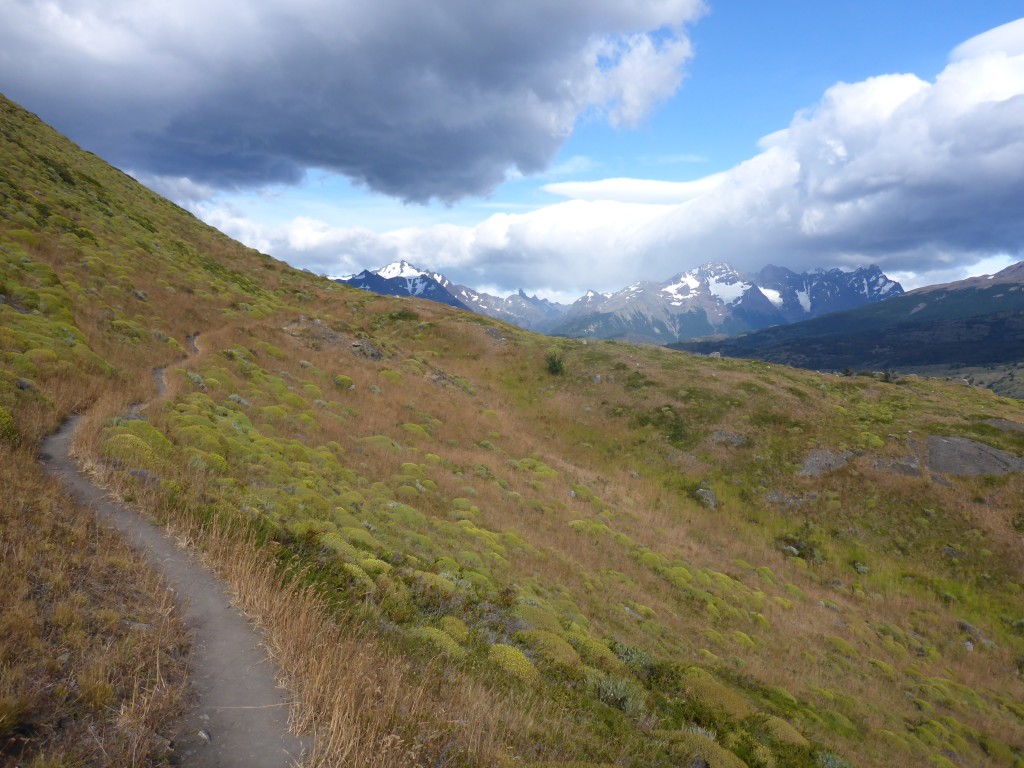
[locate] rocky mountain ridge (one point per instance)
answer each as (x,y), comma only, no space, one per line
(711,299)
(972,329)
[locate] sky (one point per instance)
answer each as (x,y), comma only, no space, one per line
(555,146)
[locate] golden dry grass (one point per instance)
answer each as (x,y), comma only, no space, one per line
(92,655)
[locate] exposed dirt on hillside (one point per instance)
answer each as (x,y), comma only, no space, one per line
(239,716)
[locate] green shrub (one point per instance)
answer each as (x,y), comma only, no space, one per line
(439,640)
(129,449)
(623,693)
(359,582)
(635,658)
(704,751)
(455,627)
(537,467)
(595,653)
(360,537)
(550,647)
(513,661)
(555,363)
(415,430)
(8,429)
(828,760)
(715,698)
(375,567)
(781,731)
(536,617)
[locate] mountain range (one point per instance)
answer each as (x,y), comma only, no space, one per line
(711,299)
(972,329)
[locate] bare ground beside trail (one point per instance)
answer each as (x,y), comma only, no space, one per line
(239,717)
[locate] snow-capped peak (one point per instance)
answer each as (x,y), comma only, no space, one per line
(400,269)
(718,271)
(681,285)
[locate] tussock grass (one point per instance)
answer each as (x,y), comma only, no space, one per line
(91,651)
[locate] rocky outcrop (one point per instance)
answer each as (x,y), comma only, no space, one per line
(820,460)
(937,457)
(960,456)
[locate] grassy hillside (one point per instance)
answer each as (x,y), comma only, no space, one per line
(473,545)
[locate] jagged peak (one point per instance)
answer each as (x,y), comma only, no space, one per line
(717,269)
(401,269)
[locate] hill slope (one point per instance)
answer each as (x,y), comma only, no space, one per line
(648,559)
(972,327)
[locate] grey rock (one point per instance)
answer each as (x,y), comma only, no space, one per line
(906,468)
(960,456)
(1006,426)
(729,438)
(144,476)
(966,627)
(367,348)
(820,460)
(707,497)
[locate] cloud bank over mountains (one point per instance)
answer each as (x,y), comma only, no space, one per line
(416,100)
(916,176)
(440,101)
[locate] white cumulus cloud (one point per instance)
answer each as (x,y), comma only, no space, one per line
(922,177)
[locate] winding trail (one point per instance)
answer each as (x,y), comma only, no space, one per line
(239,718)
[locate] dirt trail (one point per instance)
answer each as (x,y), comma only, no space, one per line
(240,716)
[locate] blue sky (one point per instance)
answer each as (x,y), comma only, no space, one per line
(354,139)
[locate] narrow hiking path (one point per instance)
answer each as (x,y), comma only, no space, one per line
(239,717)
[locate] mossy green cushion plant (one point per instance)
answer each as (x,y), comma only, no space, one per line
(513,661)
(8,429)
(439,640)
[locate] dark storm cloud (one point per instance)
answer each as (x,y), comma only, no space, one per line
(414,99)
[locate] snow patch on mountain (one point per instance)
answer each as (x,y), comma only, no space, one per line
(729,292)
(804,297)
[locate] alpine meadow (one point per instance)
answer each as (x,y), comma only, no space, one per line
(470,544)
